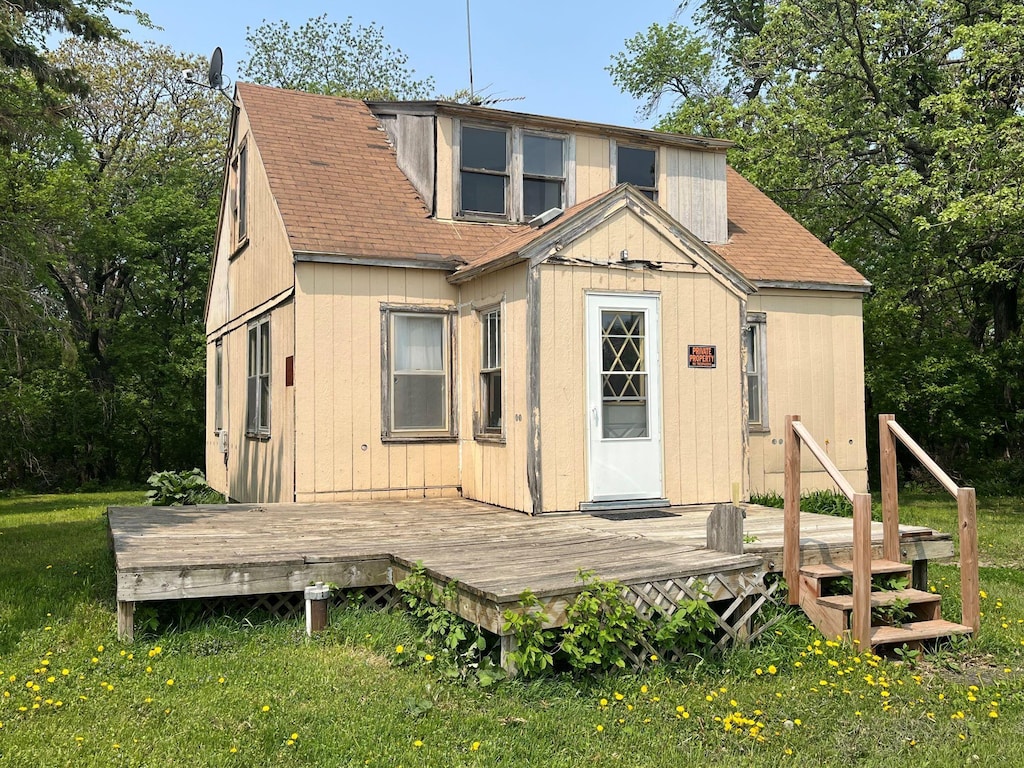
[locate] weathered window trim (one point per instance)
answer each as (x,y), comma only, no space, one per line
(758,321)
(515,173)
(389,433)
(258,412)
(614,163)
(218,386)
(240,198)
(482,432)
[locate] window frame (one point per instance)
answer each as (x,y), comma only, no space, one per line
(483,431)
(514,175)
(258,410)
(757,325)
(218,386)
(616,146)
(240,196)
(388,432)
(507,174)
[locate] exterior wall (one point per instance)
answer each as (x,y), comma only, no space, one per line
(494,471)
(593,166)
(815,368)
(339,451)
(702,410)
(445,200)
(692,190)
(257,469)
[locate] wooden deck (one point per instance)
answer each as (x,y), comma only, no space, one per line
(166,553)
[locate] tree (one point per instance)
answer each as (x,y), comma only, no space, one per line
(125,210)
(894,131)
(333,58)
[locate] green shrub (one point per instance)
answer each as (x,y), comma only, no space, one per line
(180,488)
(818,502)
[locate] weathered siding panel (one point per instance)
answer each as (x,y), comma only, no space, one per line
(815,368)
(593,167)
(340,453)
(444,201)
(693,191)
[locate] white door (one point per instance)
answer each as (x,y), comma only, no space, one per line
(623,396)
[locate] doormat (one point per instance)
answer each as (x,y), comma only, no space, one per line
(633,514)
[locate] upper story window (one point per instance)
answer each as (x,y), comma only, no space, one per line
(638,166)
(485,172)
(511,174)
(543,174)
(241,209)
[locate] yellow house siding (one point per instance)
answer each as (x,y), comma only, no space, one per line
(258,469)
(491,471)
(338,387)
(593,170)
(263,268)
(815,368)
(444,199)
(692,190)
(702,419)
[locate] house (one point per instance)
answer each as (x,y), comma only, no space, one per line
(420,299)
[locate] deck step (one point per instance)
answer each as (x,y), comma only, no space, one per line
(835,570)
(878,599)
(915,632)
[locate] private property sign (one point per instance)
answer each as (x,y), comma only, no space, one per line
(702,356)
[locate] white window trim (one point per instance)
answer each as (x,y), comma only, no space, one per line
(258,427)
(482,432)
(240,194)
(514,188)
(614,165)
(387,432)
(759,322)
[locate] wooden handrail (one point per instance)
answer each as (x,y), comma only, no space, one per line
(796,436)
(967,513)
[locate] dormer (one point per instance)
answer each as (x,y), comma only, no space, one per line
(477,164)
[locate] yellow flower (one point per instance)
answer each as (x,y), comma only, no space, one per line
(428,657)
(654,657)
(265,708)
(771,669)
(603,702)
(619,696)
(170,681)
(643,689)
(417,743)
(474,746)
(399,649)
(294,736)
(600,728)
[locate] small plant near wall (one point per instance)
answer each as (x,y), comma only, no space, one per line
(181,488)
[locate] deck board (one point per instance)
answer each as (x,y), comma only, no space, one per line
(494,553)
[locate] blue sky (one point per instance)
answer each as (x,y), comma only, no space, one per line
(553,53)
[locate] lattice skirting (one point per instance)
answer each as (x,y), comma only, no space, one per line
(287,605)
(737,599)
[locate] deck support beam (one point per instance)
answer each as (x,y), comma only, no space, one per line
(126,621)
(509,645)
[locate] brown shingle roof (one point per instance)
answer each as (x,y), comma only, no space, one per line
(768,245)
(338,185)
(340,191)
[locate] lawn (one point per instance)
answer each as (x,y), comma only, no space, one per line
(250,691)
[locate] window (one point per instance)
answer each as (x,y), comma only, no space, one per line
(417,394)
(490,371)
(485,175)
(240,210)
(638,166)
(218,386)
(511,174)
(257,419)
(754,338)
(543,174)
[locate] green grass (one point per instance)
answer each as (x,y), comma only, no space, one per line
(248,685)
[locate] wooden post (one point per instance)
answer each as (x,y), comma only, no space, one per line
(725,528)
(508,645)
(862,571)
(126,621)
(791,525)
(966,504)
(316,607)
(890,490)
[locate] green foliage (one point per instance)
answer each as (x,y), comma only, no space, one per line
(599,624)
(534,653)
(339,59)
(894,132)
(458,648)
(816,502)
(178,488)
(691,628)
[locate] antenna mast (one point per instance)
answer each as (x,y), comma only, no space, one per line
(469,45)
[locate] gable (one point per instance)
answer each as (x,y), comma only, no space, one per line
(625,236)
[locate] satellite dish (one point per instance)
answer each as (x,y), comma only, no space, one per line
(216,78)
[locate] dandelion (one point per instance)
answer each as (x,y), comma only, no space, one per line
(399,649)
(170,681)
(427,657)
(474,747)
(619,696)
(643,689)
(599,728)
(772,670)
(220,680)
(265,708)
(233,750)
(418,743)
(654,656)
(99,648)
